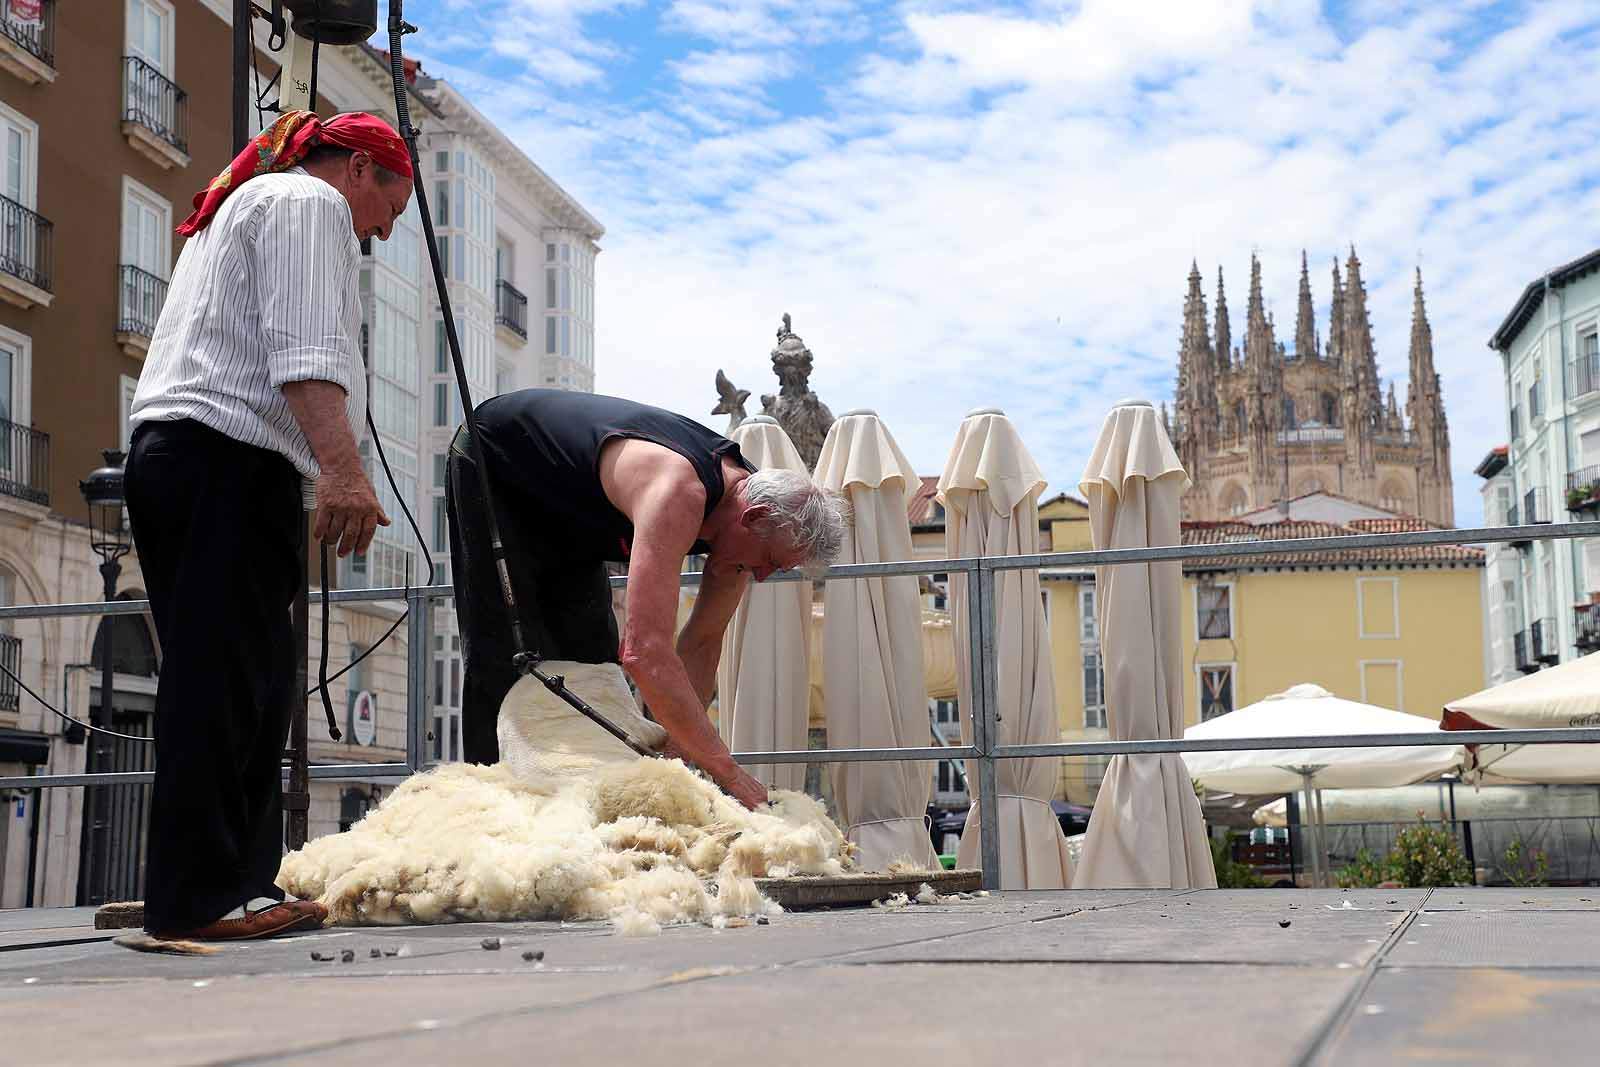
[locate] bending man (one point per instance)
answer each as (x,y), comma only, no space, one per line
(581,480)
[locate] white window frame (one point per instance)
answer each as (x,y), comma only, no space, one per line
(1099,653)
(1399,680)
(132,189)
(1361,609)
(30,131)
(1229,586)
(21,375)
(1088,624)
(1200,686)
(168,18)
(126,388)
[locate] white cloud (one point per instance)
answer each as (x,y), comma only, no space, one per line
(1002,207)
(731,70)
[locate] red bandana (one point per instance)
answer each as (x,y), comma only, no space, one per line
(286,143)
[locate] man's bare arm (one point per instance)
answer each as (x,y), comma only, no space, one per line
(664,529)
(700,641)
(348,512)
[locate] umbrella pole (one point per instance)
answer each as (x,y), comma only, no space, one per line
(1309,820)
(1322,843)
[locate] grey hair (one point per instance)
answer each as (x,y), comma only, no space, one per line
(814,520)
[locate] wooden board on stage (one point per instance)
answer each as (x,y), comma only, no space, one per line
(844,890)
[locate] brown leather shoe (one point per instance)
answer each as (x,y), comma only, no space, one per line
(286,918)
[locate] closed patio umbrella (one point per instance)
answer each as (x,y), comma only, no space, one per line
(874,694)
(1146,830)
(990,490)
(763,683)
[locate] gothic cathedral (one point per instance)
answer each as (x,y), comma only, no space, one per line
(1267,424)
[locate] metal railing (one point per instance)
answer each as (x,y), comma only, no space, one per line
(511,308)
(1546,641)
(24,462)
(1584,374)
(11,656)
(1535,506)
(1583,488)
(143,294)
(1587,617)
(37,37)
(26,243)
(155,102)
(1522,652)
(985,750)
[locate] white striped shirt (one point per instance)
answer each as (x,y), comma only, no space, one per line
(266,294)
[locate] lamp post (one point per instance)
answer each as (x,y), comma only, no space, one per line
(111,540)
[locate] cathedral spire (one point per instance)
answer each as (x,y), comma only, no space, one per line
(1305,323)
(1260,347)
(1336,317)
(1359,349)
(1224,345)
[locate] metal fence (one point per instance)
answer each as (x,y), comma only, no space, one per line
(1570,845)
(982,576)
(155,102)
(27,243)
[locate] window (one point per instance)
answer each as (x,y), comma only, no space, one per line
(1216,690)
(441,403)
(441,161)
(441,526)
(441,348)
(1382,683)
(16,391)
(1234,500)
(1536,391)
(1213,611)
(1378,607)
(1586,369)
(1288,413)
(439,471)
(1089,628)
(150,33)
(441,194)
(19,165)
(444,256)
(127,386)
(356,676)
(1094,691)
(1330,410)
(146,247)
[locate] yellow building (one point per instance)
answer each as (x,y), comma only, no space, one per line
(1397,627)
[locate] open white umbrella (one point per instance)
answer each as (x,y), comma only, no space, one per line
(1568,695)
(1146,830)
(763,679)
(1309,710)
(990,489)
(873,689)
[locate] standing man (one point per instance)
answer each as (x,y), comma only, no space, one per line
(252,398)
(581,480)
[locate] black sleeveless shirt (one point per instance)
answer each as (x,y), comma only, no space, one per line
(542,449)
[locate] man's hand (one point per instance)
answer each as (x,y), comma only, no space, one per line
(348,512)
(732,780)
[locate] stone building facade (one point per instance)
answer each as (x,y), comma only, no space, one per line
(1263,423)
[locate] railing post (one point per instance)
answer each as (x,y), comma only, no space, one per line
(419,629)
(986,717)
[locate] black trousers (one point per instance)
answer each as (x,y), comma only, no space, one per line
(214,523)
(564,604)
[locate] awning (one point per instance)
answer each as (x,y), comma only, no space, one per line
(24,746)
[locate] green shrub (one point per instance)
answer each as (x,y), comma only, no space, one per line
(1426,855)
(1366,871)
(1231,874)
(1525,866)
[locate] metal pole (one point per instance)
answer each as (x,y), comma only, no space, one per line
(986,712)
(98,800)
(297,797)
(241,70)
(1322,842)
(419,625)
(1309,821)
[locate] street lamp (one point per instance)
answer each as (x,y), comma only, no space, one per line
(111,540)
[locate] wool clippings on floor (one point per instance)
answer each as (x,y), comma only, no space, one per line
(569,825)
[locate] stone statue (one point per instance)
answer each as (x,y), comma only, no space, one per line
(732,402)
(804,417)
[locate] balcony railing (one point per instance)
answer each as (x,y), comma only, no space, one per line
(154,102)
(1583,489)
(11,658)
(1521,647)
(1535,506)
(1588,620)
(143,294)
(1546,641)
(511,308)
(36,38)
(26,238)
(24,463)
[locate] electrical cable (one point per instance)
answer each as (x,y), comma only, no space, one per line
(524,661)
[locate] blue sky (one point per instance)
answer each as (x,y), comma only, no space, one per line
(983,203)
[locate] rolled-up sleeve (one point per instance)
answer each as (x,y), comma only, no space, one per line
(304,261)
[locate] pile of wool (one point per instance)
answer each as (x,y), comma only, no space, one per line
(570,825)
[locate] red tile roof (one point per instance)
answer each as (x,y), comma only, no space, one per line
(1219,533)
